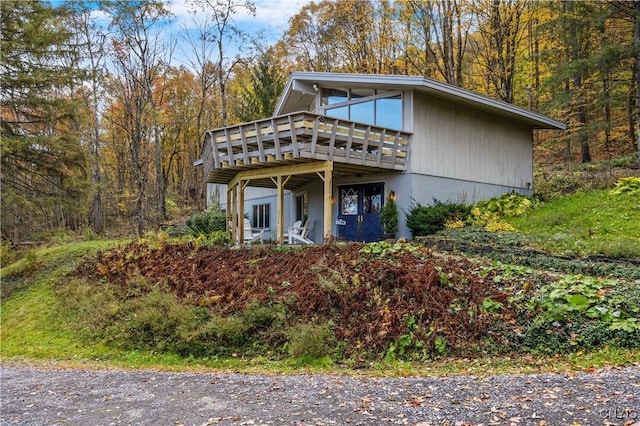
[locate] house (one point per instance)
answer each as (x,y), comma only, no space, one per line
(338,143)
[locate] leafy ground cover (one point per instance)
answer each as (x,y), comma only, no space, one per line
(515,248)
(346,303)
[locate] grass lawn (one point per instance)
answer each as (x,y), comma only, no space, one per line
(586,223)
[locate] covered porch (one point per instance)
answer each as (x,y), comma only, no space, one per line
(288,151)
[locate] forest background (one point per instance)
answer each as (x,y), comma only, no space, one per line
(100,128)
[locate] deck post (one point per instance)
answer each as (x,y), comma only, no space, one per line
(228,213)
(328,190)
(234,213)
(280,209)
(240,212)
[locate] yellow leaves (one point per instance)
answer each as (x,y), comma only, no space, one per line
(454,224)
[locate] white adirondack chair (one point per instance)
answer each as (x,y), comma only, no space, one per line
(251,236)
(298,233)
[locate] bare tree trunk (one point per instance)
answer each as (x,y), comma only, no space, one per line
(606,83)
(160,183)
(580,102)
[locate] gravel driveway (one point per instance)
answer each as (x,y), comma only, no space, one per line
(39,396)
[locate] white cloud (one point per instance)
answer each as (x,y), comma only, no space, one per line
(272,16)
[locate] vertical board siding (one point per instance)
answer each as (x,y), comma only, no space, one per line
(455,141)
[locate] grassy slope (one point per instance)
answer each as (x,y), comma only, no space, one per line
(32,327)
(586,223)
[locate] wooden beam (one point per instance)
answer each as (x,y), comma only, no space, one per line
(284,170)
(394,154)
(241,186)
(245,148)
(216,159)
(379,153)
(350,140)
(228,223)
(234,212)
(314,138)
(328,200)
(294,137)
(229,146)
(280,210)
(332,140)
(260,144)
(276,139)
(365,144)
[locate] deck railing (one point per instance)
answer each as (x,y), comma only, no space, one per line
(305,135)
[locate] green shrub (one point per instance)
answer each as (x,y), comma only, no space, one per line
(215,238)
(259,316)
(489,213)
(626,161)
(8,254)
(152,321)
(218,335)
(310,341)
(556,185)
(389,216)
(207,222)
(423,220)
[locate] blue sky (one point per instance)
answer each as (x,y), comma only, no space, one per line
(272,17)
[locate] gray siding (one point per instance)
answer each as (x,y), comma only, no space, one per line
(455,141)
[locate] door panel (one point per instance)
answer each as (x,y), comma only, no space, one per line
(372,205)
(348,212)
(359,212)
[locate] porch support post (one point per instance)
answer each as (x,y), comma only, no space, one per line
(328,191)
(280,209)
(234,213)
(240,212)
(229,213)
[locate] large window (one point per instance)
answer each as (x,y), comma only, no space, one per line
(380,108)
(261,216)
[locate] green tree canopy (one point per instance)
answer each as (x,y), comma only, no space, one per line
(43,165)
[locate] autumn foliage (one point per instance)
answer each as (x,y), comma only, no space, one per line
(367,293)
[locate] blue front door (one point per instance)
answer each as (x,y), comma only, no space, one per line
(359,212)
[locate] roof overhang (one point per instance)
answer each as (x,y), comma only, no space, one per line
(301,89)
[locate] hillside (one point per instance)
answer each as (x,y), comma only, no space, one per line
(462,293)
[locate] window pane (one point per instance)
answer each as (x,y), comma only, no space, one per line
(256,216)
(333,96)
(372,199)
(349,201)
(361,93)
(340,112)
(362,112)
(261,216)
(389,112)
(266,223)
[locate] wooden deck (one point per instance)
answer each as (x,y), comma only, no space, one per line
(301,137)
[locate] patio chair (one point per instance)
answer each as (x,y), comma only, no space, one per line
(250,236)
(299,234)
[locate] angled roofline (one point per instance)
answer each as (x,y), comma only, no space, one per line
(426,85)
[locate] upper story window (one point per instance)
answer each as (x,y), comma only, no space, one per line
(380,108)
